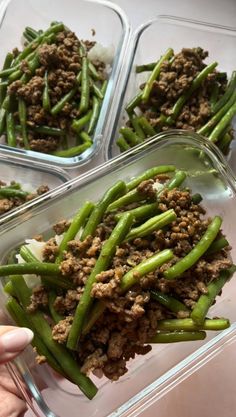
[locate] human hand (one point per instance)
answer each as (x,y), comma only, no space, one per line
(12,341)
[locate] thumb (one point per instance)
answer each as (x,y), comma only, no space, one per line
(12,341)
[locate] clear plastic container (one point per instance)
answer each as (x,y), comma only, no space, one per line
(209,175)
(30,177)
(151,40)
(81,16)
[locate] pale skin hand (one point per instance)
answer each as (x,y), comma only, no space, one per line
(12,341)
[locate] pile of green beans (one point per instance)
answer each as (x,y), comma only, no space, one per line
(218,127)
(67,135)
(129,224)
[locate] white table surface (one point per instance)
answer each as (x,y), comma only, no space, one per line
(186,400)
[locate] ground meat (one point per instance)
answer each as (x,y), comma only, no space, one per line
(146,189)
(50,250)
(61,330)
(61,227)
(5,205)
(38,298)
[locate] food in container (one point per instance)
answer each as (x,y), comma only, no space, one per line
(175,33)
(181,91)
(52,92)
(111,42)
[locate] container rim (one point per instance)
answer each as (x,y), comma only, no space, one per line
(90,153)
(207,146)
(134,41)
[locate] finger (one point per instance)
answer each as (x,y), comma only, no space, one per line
(11,405)
(13,341)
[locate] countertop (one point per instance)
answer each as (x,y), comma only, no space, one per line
(207,387)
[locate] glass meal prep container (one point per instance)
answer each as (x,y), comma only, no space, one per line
(111,29)
(30,177)
(209,175)
(151,40)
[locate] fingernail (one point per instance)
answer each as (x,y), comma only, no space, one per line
(16,340)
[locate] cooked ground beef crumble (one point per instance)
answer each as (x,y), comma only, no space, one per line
(130,319)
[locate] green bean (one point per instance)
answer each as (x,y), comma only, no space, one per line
(11,134)
(8,289)
(150,173)
(199,249)
(8,103)
(22,112)
(6,65)
(172,337)
(78,124)
(10,192)
(176,181)
(98,93)
(137,128)
(119,188)
(21,318)
(223,123)
(107,252)
(28,38)
(188,325)
(141,212)
(228,93)
(128,280)
(85,88)
(52,131)
(34,33)
(33,45)
(206,300)
(123,145)
(214,95)
(169,301)
(67,97)
(46,97)
(134,103)
(54,314)
(145,67)
(225,142)
(155,74)
(206,129)
(75,226)
(130,136)
(196,198)
(185,96)
(27,255)
(37,268)
(217,245)
(95,115)
(97,310)
(147,127)
(59,352)
(145,267)
(73,151)
(151,225)
(92,71)
(85,137)
(2,120)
